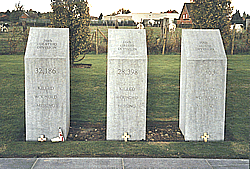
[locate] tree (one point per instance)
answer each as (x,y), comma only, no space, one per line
(124,11)
(7,12)
(14,15)
(19,7)
(213,14)
(245,16)
(121,11)
(74,16)
(17,12)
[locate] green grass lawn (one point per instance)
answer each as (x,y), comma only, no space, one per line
(88,104)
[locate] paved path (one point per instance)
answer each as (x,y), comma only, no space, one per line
(121,163)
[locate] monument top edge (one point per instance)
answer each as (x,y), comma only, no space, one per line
(48,28)
(197,30)
(127,29)
(117,30)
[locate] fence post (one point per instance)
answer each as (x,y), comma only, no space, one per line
(164,42)
(232,49)
(165,31)
(96,40)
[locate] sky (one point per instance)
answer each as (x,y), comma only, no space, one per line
(109,6)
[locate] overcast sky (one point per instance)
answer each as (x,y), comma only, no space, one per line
(109,6)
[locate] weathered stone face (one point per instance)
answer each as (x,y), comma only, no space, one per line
(126,84)
(202,85)
(47,83)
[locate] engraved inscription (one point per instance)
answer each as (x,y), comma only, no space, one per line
(206,72)
(127,88)
(206,90)
(127,97)
(204,46)
(45,88)
(207,97)
(127,45)
(46,105)
(45,70)
(47,44)
(127,72)
(46,96)
(127,106)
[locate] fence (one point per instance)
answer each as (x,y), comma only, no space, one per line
(14,42)
(240,42)
(36,22)
(111,23)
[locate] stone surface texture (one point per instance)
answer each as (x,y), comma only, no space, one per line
(81,163)
(47,83)
(90,163)
(126,84)
(16,163)
(202,85)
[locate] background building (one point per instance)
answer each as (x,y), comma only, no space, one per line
(145,18)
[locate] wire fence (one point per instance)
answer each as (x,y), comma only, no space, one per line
(14,41)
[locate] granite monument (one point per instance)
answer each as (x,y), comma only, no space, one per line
(202,85)
(47,83)
(126,84)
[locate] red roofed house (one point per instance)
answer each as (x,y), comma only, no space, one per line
(4,17)
(185,18)
(25,16)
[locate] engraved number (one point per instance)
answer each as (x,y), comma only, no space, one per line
(45,71)
(127,72)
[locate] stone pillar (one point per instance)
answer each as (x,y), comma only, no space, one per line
(126,84)
(202,85)
(47,83)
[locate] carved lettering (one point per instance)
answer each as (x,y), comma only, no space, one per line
(46,47)
(127,106)
(127,45)
(130,49)
(46,105)
(204,46)
(127,88)
(46,96)
(127,97)
(47,44)
(45,70)
(127,72)
(45,88)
